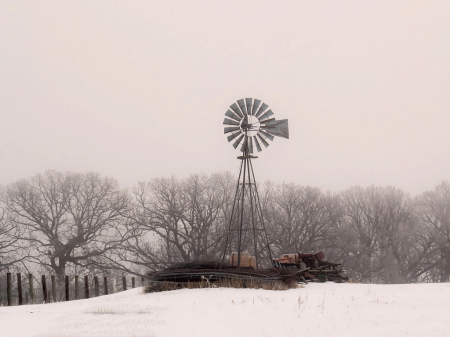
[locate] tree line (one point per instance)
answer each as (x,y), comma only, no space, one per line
(70,223)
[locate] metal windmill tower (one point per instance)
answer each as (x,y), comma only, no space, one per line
(250,124)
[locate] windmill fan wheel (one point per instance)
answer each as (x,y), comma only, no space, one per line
(250,121)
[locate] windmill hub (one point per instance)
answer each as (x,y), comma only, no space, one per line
(250,125)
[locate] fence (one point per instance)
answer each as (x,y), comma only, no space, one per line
(21,289)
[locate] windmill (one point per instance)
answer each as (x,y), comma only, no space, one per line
(250,124)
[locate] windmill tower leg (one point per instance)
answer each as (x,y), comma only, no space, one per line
(246,215)
(234,210)
(261,217)
(241,219)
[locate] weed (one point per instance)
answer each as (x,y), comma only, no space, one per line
(322,306)
(302,302)
(225,283)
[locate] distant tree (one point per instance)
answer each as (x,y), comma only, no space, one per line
(69,219)
(177,221)
(433,209)
(12,250)
(381,226)
(302,219)
(85,222)
(398,237)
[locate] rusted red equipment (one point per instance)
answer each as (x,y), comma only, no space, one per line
(311,267)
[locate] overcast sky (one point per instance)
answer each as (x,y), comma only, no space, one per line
(139,89)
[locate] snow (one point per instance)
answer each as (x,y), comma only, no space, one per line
(328,309)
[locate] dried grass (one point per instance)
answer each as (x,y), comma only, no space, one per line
(224,283)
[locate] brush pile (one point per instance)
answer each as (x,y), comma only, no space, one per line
(315,269)
(289,270)
(215,272)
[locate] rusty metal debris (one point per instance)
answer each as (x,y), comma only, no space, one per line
(311,267)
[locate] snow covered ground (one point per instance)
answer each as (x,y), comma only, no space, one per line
(328,309)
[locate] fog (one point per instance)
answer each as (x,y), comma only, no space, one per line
(139,89)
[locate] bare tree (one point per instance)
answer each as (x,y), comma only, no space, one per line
(434,215)
(177,221)
(301,218)
(380,222)
(84,221)
(69,219)
(12,250)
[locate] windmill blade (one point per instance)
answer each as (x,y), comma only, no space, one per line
(236,143)
(242,106)
(235,108)
(278,128)
(248,103)
(231,129)
(255,106)
(262,140)
(232,136)
(227,121)
(258,147)
(266,135)
(263,108)
(266,115)
(232,115)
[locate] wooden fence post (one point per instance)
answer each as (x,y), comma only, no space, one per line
(53,288)
(44,289)
(77,294)
(8,288)
(114,285)
(124,283)
(67,287)
(133,282)
(97,286)
(19,288)
(105,283)
(30,285)
(86,286)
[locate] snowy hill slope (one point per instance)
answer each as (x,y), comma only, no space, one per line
(316,310)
